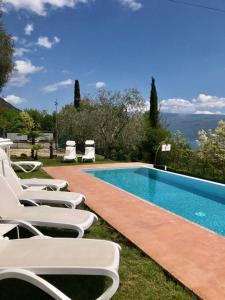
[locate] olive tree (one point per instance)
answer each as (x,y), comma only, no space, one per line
(76,124)
(112,119)
(31,129)
(113,113)
(181,154)
(212,149)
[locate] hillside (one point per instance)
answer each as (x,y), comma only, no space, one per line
(190,124)
(5,105)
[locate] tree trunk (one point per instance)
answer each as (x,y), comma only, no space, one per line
(36,155)
(50,152)
(32,150)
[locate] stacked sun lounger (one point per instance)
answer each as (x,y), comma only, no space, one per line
(26,259)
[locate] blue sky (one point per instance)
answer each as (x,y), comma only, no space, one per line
(117,44)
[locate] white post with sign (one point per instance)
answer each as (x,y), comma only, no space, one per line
(166,148)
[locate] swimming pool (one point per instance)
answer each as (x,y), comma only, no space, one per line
(197,200)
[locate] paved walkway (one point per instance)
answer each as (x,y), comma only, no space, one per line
(195,256)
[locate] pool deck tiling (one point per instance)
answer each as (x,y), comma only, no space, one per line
(194,255)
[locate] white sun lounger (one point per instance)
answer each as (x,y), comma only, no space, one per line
(26,166)
(25,259)
(70,199)
(31,165)
(70,153)
(12,210)
(89,151)
(54,184)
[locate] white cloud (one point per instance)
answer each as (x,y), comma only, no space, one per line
(176,106)
(205,112)
(19,52)
(56,39)
(203,104)
(12,99)
(100,84)
(55,86)
(18,80)
(134,5)
(21,70)
(44,41)
(40,6)
(26,67)
(15,38)
(29,28)
(3,9)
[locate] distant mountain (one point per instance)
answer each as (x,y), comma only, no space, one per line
(5,105)
(190,124)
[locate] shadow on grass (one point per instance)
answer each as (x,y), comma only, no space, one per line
(75,287)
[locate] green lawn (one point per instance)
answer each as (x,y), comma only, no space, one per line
(140,277)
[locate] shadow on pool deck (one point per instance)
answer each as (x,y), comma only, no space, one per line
(195,256)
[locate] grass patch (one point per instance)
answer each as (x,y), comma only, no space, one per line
(58,161)
(140,277)
(37,174)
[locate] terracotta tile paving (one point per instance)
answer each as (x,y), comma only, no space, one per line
(193,255)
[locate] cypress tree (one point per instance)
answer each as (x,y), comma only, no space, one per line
(77,97)
(154,113)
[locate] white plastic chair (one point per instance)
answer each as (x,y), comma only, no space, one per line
(89,151)
(70,151)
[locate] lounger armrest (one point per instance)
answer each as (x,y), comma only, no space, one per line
(25,225)
(28,202)
(34,188)
(24,186)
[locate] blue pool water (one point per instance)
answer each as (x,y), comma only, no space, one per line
(197,200)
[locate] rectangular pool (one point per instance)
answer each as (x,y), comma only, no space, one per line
(199,201)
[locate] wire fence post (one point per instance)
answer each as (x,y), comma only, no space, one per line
(56,125)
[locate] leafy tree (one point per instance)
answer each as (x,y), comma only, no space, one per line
(46,121)
(113,120)
(75,124)
(207,162)
(77,98)
(35,148)
(153,137)
(181,154)
(35,114)
(10,121)
(113,113)
(212,150)
(128,145)
(6,54)
(31,129)
(154,113)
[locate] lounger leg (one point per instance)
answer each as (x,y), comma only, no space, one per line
(35,280)
(113,288)
(21,168)
(24,170)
